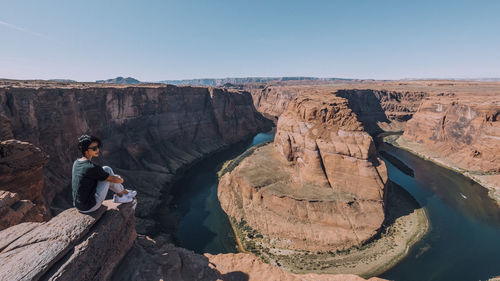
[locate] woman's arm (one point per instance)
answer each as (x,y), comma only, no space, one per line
(115,179)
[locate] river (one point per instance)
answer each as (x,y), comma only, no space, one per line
(203,226)
(464,240)
(462,244)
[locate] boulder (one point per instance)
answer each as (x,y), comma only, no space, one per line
(22,180)
(13,210)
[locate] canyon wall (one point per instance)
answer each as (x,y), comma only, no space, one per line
(321,187)
(466,132)
(272,101)
(383,110)
(461,132)
(150,133)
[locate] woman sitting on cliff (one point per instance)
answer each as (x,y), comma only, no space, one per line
(90,182)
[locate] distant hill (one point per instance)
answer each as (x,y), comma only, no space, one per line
(245,80)
(119,80)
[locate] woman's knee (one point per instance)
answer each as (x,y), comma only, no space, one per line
(108,170)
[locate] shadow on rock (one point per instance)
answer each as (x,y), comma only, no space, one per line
(236,276)
(400,203)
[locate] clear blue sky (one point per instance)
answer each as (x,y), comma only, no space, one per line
(158,40)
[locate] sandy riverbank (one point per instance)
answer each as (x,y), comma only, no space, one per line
(406,224)
(489,181)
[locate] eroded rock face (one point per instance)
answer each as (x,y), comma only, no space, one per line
(328,146)
(464,130)
(317,133)
(383,110)
(21,183)
(272,101)
(321,188)
(150,133)
(71,246)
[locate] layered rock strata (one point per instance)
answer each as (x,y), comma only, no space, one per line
(21,183)
(71,246)
(459,132)
(150,133)
(321,187)
(465,132)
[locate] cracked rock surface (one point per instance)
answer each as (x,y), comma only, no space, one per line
(71,246)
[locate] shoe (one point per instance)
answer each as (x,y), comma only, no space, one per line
(131,193)
(123,199)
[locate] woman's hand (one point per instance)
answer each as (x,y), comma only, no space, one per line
(115,179)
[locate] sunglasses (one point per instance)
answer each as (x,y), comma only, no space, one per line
(94,148)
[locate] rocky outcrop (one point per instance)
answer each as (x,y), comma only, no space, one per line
(150,133)
(318,133)
(71,246)
(13,210)
(21,183)
(321,188)
(328,146)
(159,260)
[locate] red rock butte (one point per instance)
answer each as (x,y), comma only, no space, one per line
(326,190)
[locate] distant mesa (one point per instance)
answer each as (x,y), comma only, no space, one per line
(119,80)
(245,80)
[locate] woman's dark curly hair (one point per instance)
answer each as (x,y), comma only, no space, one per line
(84,142)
